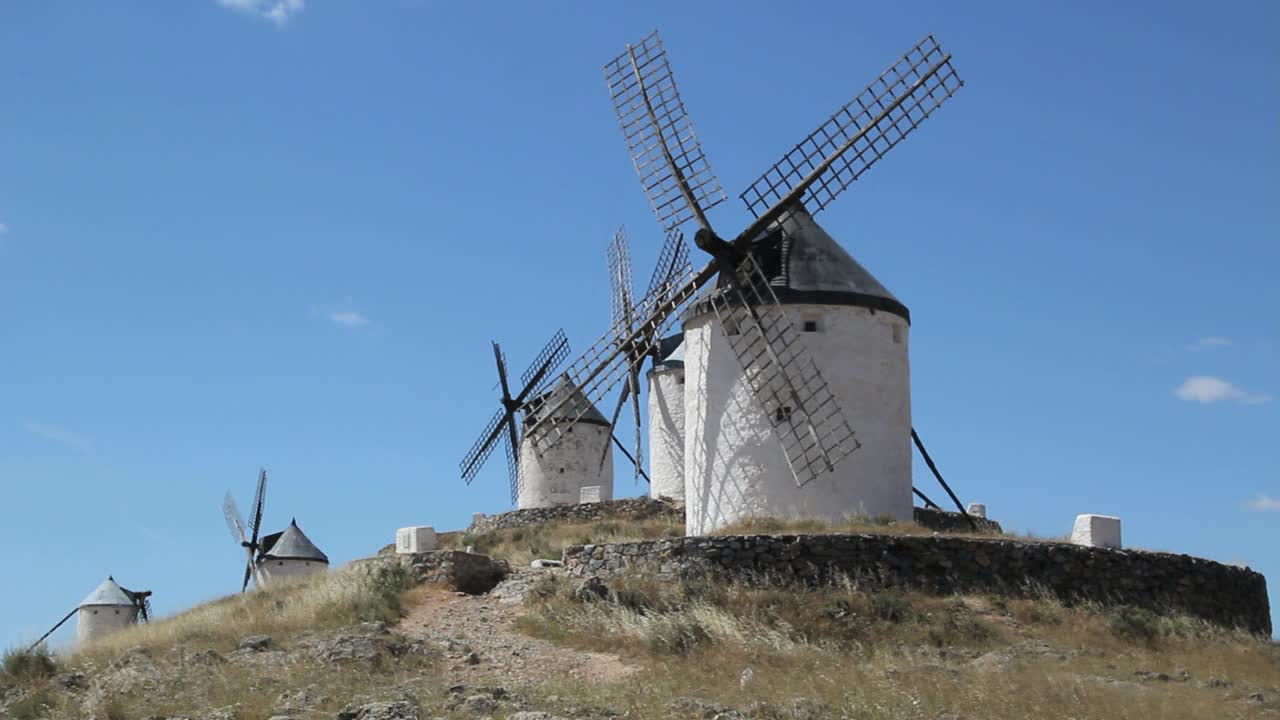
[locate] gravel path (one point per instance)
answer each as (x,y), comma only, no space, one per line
(478,636)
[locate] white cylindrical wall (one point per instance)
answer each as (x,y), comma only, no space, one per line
(666,433)
(556,475)
(270,569)
(734,465)
(95,621)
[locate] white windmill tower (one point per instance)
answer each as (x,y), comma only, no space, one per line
(556,476)
(109,608)
(794,338)
(666,419)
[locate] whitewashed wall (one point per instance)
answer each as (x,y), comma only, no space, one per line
(734,466)
(556,475)
(270,569)
(95,621)
(666,433)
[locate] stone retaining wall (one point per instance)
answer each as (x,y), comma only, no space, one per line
(1223,594)
(637,508)
(468,572)
(948,521)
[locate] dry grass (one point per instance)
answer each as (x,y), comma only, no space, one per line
(284,610)
(899,655)
(519,546)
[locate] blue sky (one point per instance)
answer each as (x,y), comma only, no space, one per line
(282,234)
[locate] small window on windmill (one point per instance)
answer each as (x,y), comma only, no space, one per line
(897,334)
(810,325)
(782,414)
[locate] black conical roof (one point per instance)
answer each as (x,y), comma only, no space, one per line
(806,265)
(293,544)
(578,406)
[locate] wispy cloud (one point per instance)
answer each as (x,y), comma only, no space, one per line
(74,440)
(3,228)
(1206,389)
(1209,343)
(348,319)
(1264,503)
(277,11)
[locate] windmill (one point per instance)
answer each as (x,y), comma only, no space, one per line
(108,608)
(778,374)
(672,265)
(504,426)
(236,524)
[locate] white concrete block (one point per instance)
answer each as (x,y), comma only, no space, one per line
(1096,531)
(412,540)
(977,510)
(546,564)
(589,494)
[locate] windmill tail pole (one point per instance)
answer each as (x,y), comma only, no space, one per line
(630,457)
(925,498)
(934,468)
(45,636)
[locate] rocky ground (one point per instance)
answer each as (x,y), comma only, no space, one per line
(478,636)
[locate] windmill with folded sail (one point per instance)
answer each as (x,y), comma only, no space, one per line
(672,265)
(107,609)
(786,336)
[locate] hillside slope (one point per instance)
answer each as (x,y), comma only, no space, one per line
(370,642)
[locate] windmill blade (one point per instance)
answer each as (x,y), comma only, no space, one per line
(783,377)
(673,264)
(619,256)
(484,445)
(248,573)
(259,499)
(613,420)
(234,519)
(512,442)
(598,370)
(511,445)
(542,370)
(668,157)
(844,147)
(633,382)
(146,609)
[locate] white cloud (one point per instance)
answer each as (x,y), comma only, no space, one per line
(1206,389)
(348,319)
(277,11)
(66,437)
(1208,343)
(1264,503)
(3,228)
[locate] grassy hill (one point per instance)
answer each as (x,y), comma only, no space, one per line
(366,642)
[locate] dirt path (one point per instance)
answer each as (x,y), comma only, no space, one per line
(485,625)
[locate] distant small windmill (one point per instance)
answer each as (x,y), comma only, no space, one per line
(249,540)
(108,608)
(672,265)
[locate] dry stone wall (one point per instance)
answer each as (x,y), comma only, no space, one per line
(1223,594)
(947,521)
(637,508)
